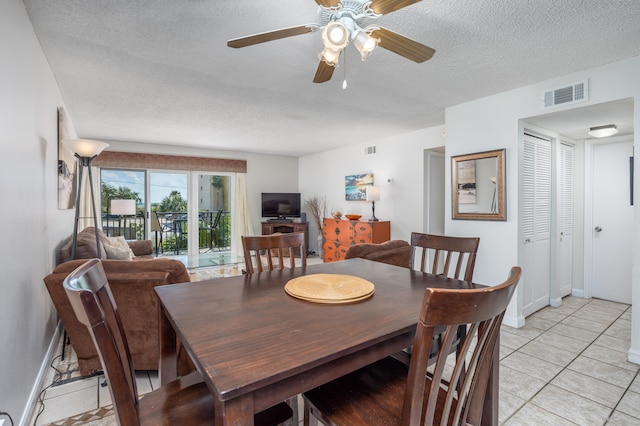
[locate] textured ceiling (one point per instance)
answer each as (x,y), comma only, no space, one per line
(160,71)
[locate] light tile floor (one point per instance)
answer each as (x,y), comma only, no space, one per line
(566,366)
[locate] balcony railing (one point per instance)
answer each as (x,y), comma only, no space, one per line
(169,231)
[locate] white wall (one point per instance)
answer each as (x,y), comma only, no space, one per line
(265,173)
(492,123)
(31,221)
(33,227)
(400,158)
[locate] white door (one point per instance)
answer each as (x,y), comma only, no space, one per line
(434,199)
(565,221)
(612,222)
(536,223)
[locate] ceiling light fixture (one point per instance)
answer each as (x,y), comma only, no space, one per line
(603,131)
(335,36)
(330,56)
(365,43)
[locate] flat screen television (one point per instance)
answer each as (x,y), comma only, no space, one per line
(281,205)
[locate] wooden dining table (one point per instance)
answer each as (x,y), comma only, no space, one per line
(256,346)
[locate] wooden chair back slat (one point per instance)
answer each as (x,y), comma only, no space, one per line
(448,391)
(482,310)
(454,257)
(274,251)
(95,307)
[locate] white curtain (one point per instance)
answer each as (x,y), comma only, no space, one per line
(85,208)
(241,215)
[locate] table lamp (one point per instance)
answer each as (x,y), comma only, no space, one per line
(123,208)
(373,195)
(85,150)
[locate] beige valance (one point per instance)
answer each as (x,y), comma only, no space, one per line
(132,160)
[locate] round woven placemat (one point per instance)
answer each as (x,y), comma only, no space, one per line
(329,288)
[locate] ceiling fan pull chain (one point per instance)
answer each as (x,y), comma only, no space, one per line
(344,82)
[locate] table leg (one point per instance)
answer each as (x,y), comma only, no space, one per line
(236,412)
(168,364)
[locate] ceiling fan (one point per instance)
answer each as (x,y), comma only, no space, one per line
(344,21)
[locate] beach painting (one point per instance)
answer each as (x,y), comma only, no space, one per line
(354,186)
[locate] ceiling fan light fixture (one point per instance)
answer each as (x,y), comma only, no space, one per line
(335,36)
(365,43)
(330,56)
(603,131)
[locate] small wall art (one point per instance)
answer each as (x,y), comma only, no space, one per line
(354,186)
(67,164)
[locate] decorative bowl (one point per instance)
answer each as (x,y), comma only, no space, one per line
(353,216)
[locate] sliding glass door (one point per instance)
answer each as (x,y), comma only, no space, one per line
(168,211)
(211,206)
(119,216)
(183,213)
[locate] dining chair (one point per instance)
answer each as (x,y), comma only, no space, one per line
(268,252)
(186,400)
(389,392)
(448,256)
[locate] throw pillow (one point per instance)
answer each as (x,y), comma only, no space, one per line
(117,248)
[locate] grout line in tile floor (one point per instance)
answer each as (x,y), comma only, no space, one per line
(571,406)
(566,366)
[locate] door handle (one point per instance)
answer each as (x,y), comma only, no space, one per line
(598,229)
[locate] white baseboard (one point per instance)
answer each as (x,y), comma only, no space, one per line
(42,375)
(513,321)
(555,302)
(577,293)
(634,357)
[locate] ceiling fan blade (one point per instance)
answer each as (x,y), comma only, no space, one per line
(323,73)
(402,45)
(387,6)
(328,3)
(271,35)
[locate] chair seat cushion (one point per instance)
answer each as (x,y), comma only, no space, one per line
(373,395)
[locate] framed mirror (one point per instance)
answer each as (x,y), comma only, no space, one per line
(478,186)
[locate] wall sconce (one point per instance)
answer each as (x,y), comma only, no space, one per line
(373,195)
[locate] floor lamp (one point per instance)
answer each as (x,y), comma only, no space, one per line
(373,195)
(85,150)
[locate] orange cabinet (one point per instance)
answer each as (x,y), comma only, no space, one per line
(338,235)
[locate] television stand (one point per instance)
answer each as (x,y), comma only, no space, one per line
(270,227)
(280,220)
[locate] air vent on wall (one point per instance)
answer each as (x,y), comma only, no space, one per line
(578,92)
(368,150)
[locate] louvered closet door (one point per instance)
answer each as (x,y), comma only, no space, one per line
(536,223)
(565,220)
